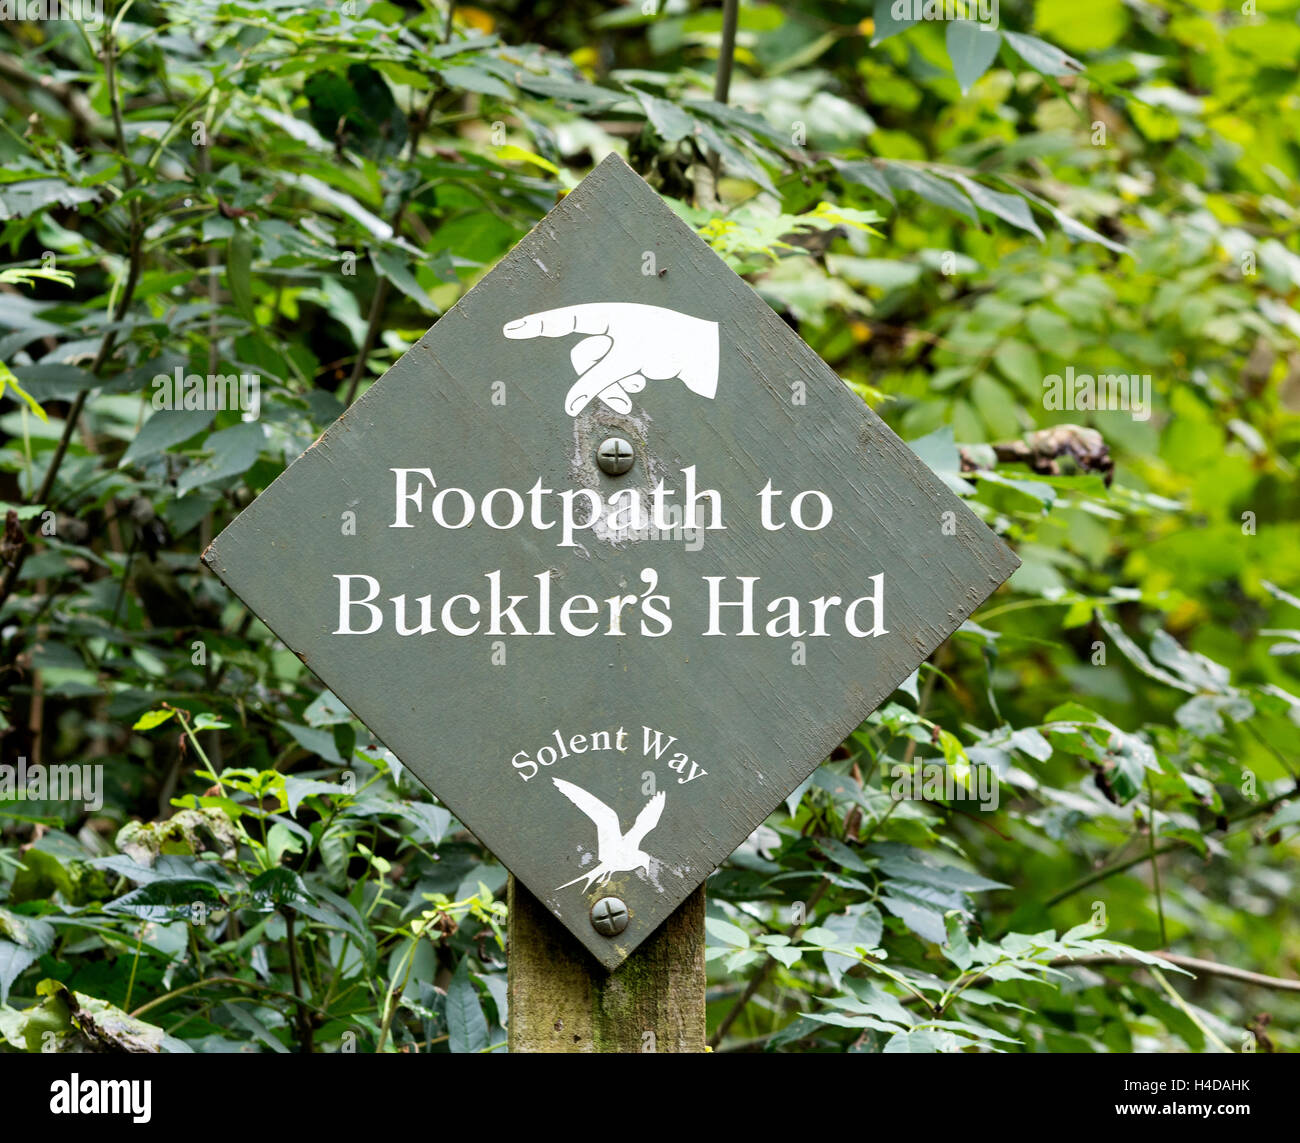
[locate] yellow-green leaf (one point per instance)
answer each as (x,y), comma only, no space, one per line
(7,379)
(152,718)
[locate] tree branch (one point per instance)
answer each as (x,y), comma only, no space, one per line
(727,52)
(1129,862)
(379,299)
(756,981)
(1042,450)
(134,259)
(1191,963)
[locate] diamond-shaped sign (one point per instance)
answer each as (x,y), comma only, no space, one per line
(610,674)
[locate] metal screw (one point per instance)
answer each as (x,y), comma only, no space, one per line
(609,916)
(615,456)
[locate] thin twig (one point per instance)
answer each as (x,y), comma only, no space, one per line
(1178,843)
(1155,864)
(722,78)
(757,980)
(380,297)
(727,53)
(304,1018)
(1187,1009)
(1191,963)
(119,311)
(219,980)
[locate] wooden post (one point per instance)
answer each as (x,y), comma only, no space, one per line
(562,1000)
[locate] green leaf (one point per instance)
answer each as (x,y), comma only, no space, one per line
(234,451)
(318,741)
(860,927)
(239,1014)
(957,947)
(26,275)
(239,271)
(1084,233)
(166,428)
(23,199)
(1091,28)
(931,188)
(1287,815)
(926,923)
(1008,207)
(971,47)
(1278,593)
(345,203)
(842,855)
(865,173)
(8,380)
(296,789)
(886,24)
(280,886)
(152,718)
(165,867)
(998,411)
(1117,948)
(467,1027)
(23,941)
(939,876)
(1042,56)
(1138,658)
(865,995)
(941,455)
(739,959)
(167,900)
(1198,670)
(1019,363)
(852,1020)
(512,153)
(473,79)
(391,265)
(326,710)
(670,122)
(726,932)
(356,110)
(433,821)
(920,1041)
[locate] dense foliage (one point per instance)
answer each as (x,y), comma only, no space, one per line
(952,218)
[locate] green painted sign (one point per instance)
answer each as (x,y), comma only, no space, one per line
(610,674)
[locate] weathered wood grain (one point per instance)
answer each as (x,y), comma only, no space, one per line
(561,1000)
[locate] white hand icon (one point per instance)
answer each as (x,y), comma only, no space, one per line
(626,344)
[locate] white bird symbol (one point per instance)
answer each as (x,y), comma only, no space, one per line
(618,851)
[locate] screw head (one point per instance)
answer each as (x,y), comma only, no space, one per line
(609,916)
(615,456)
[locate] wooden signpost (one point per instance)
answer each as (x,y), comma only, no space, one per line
(628,562)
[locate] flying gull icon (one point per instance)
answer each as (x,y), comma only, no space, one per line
(618,851)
